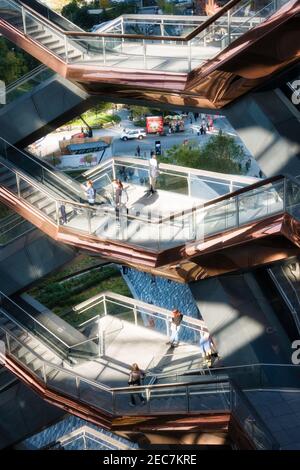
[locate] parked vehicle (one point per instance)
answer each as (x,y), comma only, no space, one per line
(133,134)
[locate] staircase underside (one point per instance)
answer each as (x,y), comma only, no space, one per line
(248,62)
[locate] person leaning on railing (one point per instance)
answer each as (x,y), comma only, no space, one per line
(135,380)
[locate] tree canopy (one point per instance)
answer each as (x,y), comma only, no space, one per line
(13,62)
(221,154)
(77,12)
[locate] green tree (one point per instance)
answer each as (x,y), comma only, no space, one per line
(12,63)
(77,12)
(221,154)
(167,8)
(88,159)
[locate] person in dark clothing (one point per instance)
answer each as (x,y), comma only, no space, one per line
(63,213)
(175,328)
(138,151)
(135,380)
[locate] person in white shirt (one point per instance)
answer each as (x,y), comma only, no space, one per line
(153,172)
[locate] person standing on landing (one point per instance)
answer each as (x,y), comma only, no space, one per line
(175,328)
(153,172)
(135,380)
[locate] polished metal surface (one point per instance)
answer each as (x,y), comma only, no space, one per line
(246,63)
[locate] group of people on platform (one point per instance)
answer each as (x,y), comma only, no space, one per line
(137,375)
(120,196)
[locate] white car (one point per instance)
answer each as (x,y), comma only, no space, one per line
(133,134)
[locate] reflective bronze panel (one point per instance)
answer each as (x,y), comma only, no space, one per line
(246,63)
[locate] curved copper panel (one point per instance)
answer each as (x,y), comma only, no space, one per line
(243,65)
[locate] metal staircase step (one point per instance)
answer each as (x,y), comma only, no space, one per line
(34,197)
(40,34)
(51,209)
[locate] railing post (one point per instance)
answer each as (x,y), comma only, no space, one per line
(135,314)
(8,342)
(104,305)
(104,52)
(66,47)
(18,184)
(193,231)
(284,195)
(113,170)
(187,397)
(57,212)
(159,230)
(189,184)
(44,373)
(113,402)
(237,211)
(89,213)
(189,56)
(229,26)
(168,327)
(162,30)
(145,53)
(77,380)
(100,341)
(24,19)
(148,399)
(122,32)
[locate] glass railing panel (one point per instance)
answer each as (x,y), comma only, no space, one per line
(43,172)
(218,217)
(261,202)
(166,400)
(209,397)
(62,381)
(33,325)
(9,180)
(12,13)
(132,174)
(26,84)
(173,183)
(87,348)
(152,321)
(245,377)
(119,309)
(78,217)
(95,395)
(208,187)
(293,198)
(33,195)
(130,403)
(103,183)
(96,308)
(280,376)
(244,16)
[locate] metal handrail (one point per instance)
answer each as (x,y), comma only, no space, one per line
(186,38)
(168,219)
(63,181)
(31,317)
(285,297)
(45,190)
(25,78)
(232,389)
(168,167)
(105,387)
(135,303)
